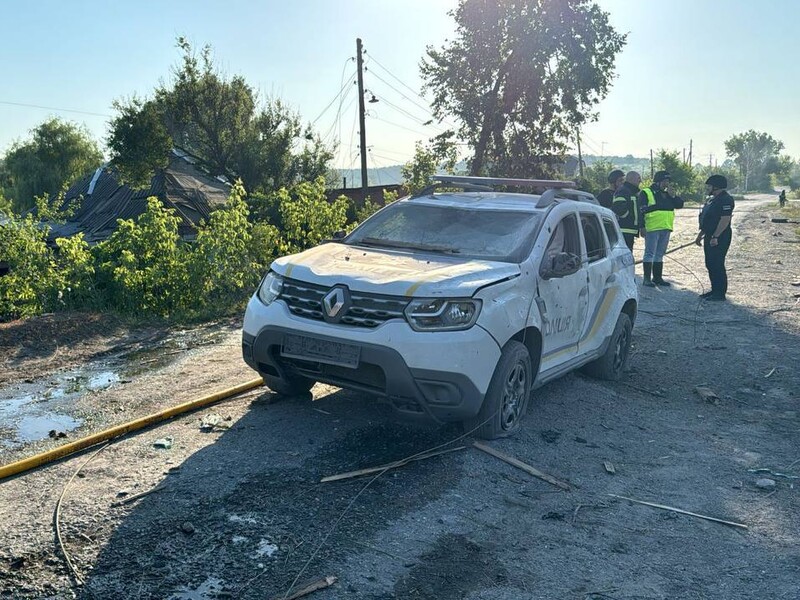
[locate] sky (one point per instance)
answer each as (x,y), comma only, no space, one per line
(699,70)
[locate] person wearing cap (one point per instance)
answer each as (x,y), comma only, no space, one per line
(627,209)
(715,235)
(615,179)
(657,204)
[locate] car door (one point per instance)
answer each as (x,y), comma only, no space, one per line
(561,298)
(600,278)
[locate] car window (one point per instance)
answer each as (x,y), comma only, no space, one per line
(564,239)
(611,232)
(502,235)
(593,234)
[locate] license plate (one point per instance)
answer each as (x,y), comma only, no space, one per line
(324,351)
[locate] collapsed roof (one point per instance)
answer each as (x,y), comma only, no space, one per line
(181,186)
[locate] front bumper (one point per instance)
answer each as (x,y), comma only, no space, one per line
(442,375)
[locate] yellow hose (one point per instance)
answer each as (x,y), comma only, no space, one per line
(27,464)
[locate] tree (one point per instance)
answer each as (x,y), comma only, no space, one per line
(681,174)
(520,77)
(595,176)
(419,171)
(756,155)
(139,141)
(57,153)
(220,120)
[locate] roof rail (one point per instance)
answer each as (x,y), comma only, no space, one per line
(550,196)
(553,188)
(510,182)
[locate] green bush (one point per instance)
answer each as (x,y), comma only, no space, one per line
(307,217)
(143,265)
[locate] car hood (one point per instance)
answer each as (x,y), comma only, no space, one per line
(391,272)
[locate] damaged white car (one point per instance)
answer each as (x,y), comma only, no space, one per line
(452,305)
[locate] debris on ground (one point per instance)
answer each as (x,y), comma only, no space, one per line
(309,588)
(394,465)
(163,443)
(521,465)
(773,473)
(609,467)
(187,527)
(707,394)
(765,484)
(770,374)
(681,511)
(56,434)
(214,421)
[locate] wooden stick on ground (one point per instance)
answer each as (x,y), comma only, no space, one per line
(681,511)
(319,584)
(521,465)
(394,465)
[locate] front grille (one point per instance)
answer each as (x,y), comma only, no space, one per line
(366,310)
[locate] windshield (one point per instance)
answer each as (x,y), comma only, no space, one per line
(504,236)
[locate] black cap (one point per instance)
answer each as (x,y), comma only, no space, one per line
(661,176)
(614,175)
(718,182)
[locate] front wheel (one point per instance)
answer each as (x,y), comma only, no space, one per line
(614,362)
(506,400)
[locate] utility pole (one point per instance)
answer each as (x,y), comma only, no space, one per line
(690,153)
(684,156)
(710,156)
(361,113)
(652,171)
(580,156)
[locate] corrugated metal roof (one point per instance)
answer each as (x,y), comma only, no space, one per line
(181,186)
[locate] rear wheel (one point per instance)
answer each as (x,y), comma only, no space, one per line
(612,365)
(506,400)
(291,385)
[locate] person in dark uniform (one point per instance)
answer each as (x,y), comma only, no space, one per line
(627,208)
(615,179)
(715,235)
(782,198)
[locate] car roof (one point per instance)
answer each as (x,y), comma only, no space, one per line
(502,201)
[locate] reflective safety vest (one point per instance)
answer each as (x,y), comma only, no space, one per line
(628,218)
(658,220)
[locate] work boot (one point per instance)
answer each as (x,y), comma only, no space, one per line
(706,295)
(648,267)
(658,271)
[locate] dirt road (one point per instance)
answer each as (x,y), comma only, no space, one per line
(241,513)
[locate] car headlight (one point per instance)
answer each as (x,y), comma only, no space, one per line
(270,288)
(442,314)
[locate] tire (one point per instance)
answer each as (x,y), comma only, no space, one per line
(613,364)
(292,385)
(507,397)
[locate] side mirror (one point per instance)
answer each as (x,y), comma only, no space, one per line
(561,265)
(340,235)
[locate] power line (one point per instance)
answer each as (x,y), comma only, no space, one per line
(69,110)
(338,94)
(401,126)
(404,112)
(408,87)
(417,104)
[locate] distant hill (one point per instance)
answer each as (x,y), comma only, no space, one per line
(391,174)
(382,176)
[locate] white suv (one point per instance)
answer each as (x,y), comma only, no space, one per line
(452,305)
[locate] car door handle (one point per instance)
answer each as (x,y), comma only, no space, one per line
(584,292)
(611,278)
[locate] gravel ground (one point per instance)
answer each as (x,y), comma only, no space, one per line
(240,512)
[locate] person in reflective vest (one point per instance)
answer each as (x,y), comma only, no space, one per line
(606,197)
(657,204)
(627,208)
(715,235)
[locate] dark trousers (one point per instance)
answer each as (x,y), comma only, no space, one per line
(629,237)
(715,263)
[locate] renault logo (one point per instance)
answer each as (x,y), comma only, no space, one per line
(334,301)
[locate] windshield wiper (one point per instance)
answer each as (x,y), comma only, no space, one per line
(370,241)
